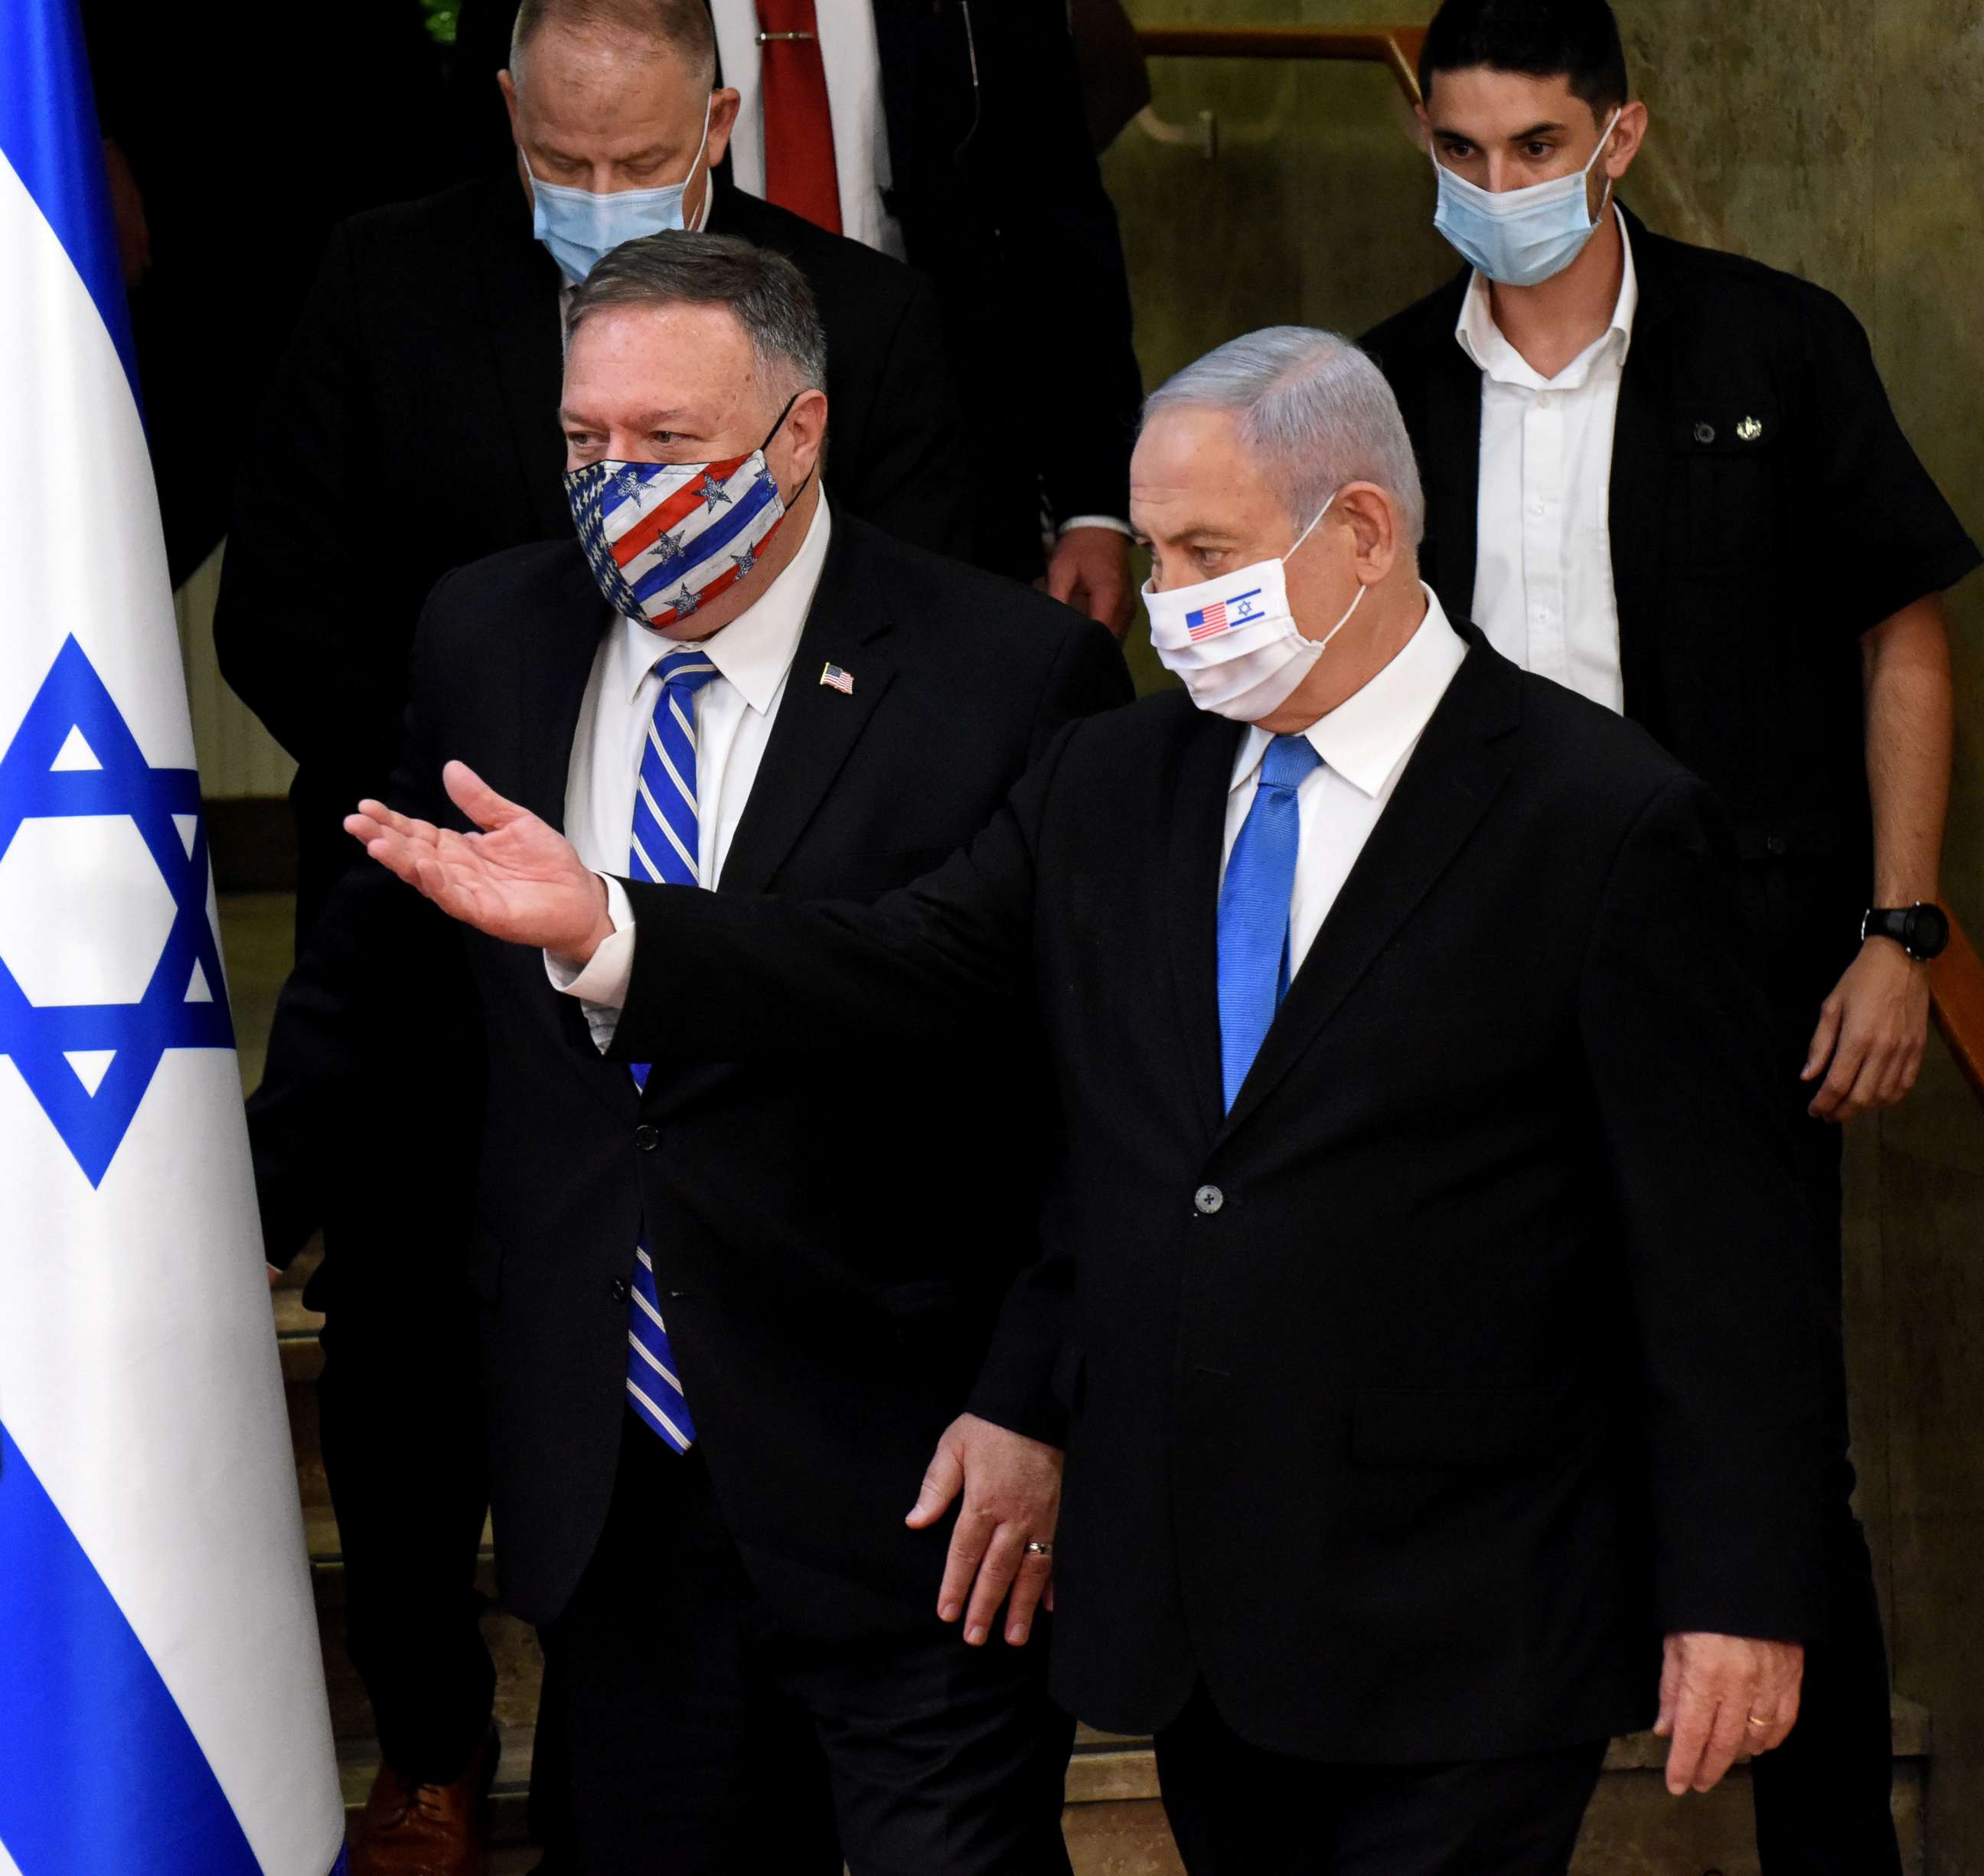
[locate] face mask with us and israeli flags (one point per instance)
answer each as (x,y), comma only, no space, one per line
(663,539)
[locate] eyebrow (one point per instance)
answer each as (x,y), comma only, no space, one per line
(1521,136)
(649,420)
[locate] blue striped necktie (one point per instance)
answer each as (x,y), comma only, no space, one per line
(664,851)
(1254,909)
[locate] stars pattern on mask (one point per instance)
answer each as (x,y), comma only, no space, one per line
(714,493)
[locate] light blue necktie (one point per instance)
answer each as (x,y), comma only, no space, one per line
(664,851)
(1254,910)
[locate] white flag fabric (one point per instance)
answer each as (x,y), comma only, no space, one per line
(162,1700)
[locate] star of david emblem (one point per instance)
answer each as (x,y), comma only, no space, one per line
(685,602)
(108,957)
(713,492)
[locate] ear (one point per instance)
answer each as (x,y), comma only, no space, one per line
(806,430)
(1627,135)
(507,86)
(1368,512)
(1425,123)
(723,109)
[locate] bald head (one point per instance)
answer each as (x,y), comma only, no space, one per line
(682,28)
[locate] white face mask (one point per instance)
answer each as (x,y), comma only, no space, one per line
(1233,641)
(1520,237)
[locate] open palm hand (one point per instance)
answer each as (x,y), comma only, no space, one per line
(517,880)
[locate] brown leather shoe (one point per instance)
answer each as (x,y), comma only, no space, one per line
(411,1829)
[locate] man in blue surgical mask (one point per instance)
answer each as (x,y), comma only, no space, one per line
(1670,479)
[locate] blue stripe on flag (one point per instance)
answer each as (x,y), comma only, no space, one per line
(719,535)
(48,132)
(99,1773)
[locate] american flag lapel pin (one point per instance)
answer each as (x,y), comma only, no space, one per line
(835,679)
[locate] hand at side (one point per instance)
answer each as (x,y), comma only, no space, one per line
(1012,1498)
(1712,1686)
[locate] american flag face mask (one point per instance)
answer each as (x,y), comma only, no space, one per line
(663,539)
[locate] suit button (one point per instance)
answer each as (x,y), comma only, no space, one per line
(1704,433)
(618,1287)
(1208,1199)
(646,1137)
(1775,845)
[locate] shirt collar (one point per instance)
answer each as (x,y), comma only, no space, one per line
(1481,339)
(1367,735)
(755,649)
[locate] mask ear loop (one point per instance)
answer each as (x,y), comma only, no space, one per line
(1322,644)
(1604,138)
(1311,528)
(779,424)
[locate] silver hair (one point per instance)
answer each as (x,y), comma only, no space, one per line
(1315,408)
(768,295)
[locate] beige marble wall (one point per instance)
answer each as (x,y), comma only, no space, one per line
(1837,140)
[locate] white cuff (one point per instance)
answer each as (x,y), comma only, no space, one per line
(601,984)
(1109,521)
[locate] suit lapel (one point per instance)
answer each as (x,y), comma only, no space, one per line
(817,726)
(554,662)
(1637,508)
(1454,776)
(1451,457)
(1197,821)
(520,284)
(552,668)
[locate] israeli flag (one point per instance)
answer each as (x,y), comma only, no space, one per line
(161,1702)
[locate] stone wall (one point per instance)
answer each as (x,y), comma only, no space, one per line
(1838,141)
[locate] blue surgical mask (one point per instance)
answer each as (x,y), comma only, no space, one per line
(580,228)
(1520,237)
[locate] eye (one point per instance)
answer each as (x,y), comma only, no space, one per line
(1537,152)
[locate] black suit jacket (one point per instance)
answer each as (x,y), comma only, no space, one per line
(414,428)
(1001,203)
(1765,510)
(996,187)
(1414,1398)
(833,1246)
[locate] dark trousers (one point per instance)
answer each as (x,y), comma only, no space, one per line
(1237,1810)
(400,1400)
(704,1740)
(399,1409)
(1822,1798)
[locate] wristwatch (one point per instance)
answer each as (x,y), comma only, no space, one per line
(1921,930)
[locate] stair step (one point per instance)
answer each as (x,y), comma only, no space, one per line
(1115,1826)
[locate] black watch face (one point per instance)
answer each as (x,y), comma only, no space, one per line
(1928,931)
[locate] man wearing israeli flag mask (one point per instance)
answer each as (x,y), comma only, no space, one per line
(1430,1280)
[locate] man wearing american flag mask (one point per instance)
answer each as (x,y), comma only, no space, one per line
(745,1380)
(1442,1353)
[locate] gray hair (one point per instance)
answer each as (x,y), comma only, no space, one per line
(685,24)
(768,295)
(1315,408)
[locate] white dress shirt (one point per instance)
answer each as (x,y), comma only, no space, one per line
(1364,743)
(1543,566)
(853,62)
(733,713)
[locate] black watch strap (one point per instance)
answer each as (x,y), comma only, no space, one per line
(1922,931)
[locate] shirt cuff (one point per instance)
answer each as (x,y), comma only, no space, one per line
(1109,521)
(600,985)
